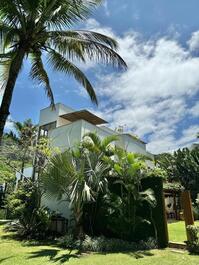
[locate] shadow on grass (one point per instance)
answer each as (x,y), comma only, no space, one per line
(53,255)
(140,254)
(3,259)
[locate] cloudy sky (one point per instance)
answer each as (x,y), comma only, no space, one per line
(157,98)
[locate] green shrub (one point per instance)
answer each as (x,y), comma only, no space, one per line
(196,209)
(193,242)
(2,214)
(102,244)
(24,205)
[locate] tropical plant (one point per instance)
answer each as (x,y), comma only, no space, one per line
(182,166)
(103,244)
(77,177)
(103,147)
(32,28)
(128,171)
(27,134)
(193,242)
(24,205)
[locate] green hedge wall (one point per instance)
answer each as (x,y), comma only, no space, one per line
(156,184)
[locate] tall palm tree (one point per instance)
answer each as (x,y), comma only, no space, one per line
(27,133)
(31,28)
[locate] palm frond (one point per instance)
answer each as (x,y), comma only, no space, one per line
(11,13)
(38,73)
(62,64)
(94,137)
(84,35)
(90,49)
(59,13)
(108,140)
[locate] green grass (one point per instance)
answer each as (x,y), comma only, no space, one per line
(13,252)
(177,232)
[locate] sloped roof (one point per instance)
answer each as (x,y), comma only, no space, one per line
(83,115)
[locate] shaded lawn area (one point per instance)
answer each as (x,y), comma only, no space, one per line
(13,252)
(177,232)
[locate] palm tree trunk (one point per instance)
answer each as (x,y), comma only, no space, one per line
(14,70)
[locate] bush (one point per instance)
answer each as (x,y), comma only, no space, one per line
(24,205)
(193,242)
(2,214)
(102,244)
(196,209)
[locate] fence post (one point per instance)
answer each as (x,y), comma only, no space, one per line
(187,209)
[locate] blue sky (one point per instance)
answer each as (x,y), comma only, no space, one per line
(158,97)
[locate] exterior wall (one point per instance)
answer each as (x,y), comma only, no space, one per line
(61,122)
(66,136)
(88,127)
(131,145)
(49,115)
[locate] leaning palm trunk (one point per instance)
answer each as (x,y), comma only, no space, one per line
(14,70)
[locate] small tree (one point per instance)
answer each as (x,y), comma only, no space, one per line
(128,171)
(77,177)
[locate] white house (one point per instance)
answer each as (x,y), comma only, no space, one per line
(66,127)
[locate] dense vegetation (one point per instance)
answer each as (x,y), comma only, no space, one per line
(182,166)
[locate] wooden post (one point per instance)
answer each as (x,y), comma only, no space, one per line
(187,209)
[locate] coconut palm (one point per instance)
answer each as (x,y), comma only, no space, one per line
(76,177)
(31,28)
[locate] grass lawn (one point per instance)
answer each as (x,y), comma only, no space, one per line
(14,252)
(177,231)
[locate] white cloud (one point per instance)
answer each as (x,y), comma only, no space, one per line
(194,111)
(152,95)
(107,11)
(194,41)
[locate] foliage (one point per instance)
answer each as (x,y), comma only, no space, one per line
(196,209)
(102,244)
(182,166)
(9,164)
(158,212)
(127,198)
(193,242)
(157,172)
(48,23)
(24,205)
(2,214)
(27,135)
(100,188)
(78,177)
(175,186)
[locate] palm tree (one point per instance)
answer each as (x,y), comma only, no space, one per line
(103,147)
(78,178)
(32,28)
(27,133)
